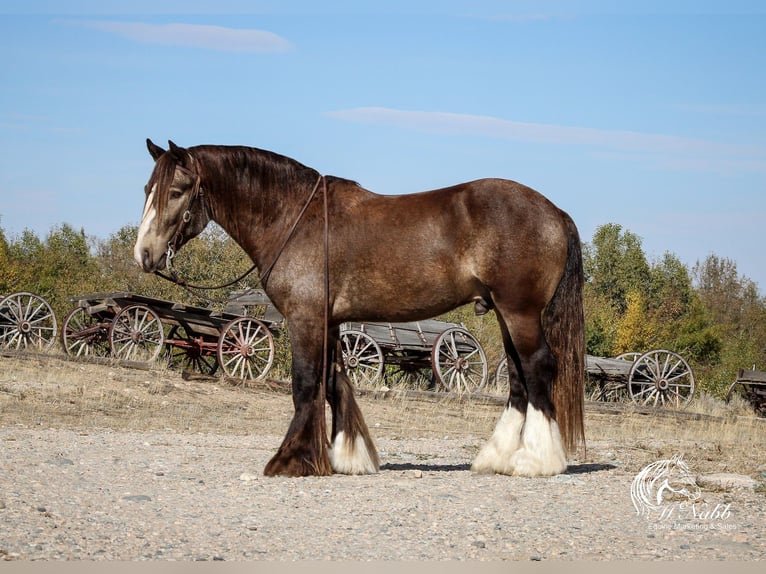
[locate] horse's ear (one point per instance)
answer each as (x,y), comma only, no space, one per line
(179,153)
(154,150)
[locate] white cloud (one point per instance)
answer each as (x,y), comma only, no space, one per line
(674,150)
(193,35)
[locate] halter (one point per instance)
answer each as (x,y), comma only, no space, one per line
(186,218)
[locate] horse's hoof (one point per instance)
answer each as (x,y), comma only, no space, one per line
(296,466)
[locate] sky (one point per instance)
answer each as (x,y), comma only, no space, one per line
(650,114)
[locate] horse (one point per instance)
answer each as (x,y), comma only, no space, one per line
(329,251)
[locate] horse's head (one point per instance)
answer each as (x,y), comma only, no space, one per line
(174,211)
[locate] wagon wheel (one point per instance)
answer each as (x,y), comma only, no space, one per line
(246,349)
(502,377)
(136,334)
(458,361)
(26,322)
(84,335)
(362,357)
(661,377)
(185,352)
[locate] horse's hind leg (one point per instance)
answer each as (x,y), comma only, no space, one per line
(495,455)
(540,451)
(352,451)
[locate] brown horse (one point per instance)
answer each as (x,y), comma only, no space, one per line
(330,251)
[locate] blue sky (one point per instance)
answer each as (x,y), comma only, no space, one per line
(649,114)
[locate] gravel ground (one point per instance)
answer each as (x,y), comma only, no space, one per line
(107,463)
(165,495)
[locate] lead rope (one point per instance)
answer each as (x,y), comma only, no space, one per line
(325,359)
(267,271)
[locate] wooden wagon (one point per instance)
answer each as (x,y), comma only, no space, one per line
(454,356)
(27,322)
(751,385)
(654,378)
(135,328)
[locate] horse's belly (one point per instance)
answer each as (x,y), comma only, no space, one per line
(401,297)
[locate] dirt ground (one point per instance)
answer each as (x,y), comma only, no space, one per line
(421,436)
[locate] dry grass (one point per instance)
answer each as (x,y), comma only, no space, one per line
(48,391)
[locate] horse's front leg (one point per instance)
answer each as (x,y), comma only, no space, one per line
(305,448)
(353,451)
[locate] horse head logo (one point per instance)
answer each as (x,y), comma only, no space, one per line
(662,482)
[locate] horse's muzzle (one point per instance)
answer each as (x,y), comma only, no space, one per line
(147,262)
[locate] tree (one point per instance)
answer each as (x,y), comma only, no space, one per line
(615,264)
(739,314)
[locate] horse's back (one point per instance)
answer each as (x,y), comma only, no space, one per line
(437,249)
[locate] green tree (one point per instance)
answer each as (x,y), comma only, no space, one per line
(615,264)
(739,314)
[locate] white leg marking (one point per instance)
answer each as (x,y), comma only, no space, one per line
(541,453)
(351,456)
(146,221)
(495,456)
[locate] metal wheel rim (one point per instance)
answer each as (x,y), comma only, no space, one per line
(458,360)
(184,359)
(661,378)
(246,349)
(362,357)
(27,322)
(136,334)
(82,337)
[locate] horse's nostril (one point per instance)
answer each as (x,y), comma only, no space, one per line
(146,260)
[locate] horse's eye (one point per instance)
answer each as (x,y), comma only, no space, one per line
(176,194)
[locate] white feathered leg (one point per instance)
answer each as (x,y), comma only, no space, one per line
(541,452)
(495,455)
(351,456)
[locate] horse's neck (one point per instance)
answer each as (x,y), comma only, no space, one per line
(254,216)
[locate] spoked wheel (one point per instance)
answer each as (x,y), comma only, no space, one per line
(136,334)
(459,362)
(187,353)
(362,357)
(246,349)
(26,322)
(84,335)
(661,378)
(502,379)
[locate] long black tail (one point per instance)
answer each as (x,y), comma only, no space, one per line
(564,326)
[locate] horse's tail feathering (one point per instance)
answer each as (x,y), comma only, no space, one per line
(564,327)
